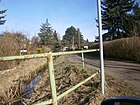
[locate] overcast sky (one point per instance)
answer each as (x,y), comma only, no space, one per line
(27,16)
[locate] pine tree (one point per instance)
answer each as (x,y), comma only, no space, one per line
(136,23)
(55,35)
(87,41)
(56,42)
(115,13)
(72,35)
(2,21)
(48,37)
(132,22)
(46,33)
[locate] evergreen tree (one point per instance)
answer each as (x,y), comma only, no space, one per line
(72,35)
(136,23)
(115,13)
(132,22)
(56,42)
(46,33)
(2,21)
(49,37)
(55,35)
(87,41)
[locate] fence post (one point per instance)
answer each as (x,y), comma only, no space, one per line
(83,60)
(52,78)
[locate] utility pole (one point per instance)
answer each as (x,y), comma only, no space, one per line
(101,46)
(78,31)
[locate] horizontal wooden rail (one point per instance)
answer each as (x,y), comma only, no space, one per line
(73,52)
(68,91)
(49,56)
(50,101)
(31,56)
(76,86)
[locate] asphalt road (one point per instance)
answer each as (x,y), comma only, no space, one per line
(129,72)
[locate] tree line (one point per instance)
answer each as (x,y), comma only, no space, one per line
(49,37)
(121,19)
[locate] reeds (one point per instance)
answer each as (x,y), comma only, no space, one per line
(12,94)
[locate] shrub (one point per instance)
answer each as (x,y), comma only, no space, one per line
(10,44)
(124,49)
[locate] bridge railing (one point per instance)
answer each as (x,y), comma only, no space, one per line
(49,57)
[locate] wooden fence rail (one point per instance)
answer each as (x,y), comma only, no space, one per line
(49,57)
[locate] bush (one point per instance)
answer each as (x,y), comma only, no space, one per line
(8,47)
(10,44)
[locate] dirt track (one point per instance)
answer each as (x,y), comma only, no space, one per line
(130,72)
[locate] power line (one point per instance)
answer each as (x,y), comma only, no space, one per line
(91,20)
(88,26)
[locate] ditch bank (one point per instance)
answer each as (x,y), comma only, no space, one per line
(14,81)
(67,75)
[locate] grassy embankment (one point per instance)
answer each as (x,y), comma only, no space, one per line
(122,49)
(67,75)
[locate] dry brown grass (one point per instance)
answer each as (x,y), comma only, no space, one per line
(12,95)
(125,49)
(67,75)
(12,81)
(10,44)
